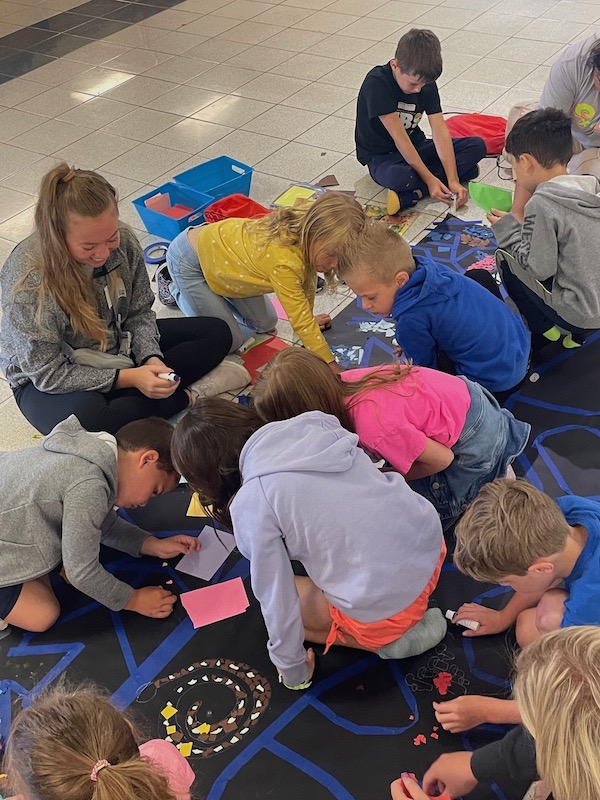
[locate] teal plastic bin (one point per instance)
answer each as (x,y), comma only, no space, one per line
(219,177)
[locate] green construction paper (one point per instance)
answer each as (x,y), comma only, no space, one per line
(488,197)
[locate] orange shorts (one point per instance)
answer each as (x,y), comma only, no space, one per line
(373,635)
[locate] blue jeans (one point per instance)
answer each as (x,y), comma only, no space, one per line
(489,442)
(393,172)
(245,316)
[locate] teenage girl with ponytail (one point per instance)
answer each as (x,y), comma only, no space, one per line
(78,332)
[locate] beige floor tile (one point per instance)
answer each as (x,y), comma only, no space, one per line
(97,112)
(145,162)
(28,179)
(190,136)
(283,16)
(498,72)
(497,24)
(94,54)
(325,22)
(283,122)
(13,122)
(14,202)
(527,50)
(253,33)
(447,17)
(348,111)
(299,162)
(98,81)
(510,98)
(350,75)
(139,90)
(246,9)
(551,30)
(271,88)
(535,80)
(136,60)
(355,7)
(400,11)
(372,28)
(233,111)
(224,78)
(141,124)
(179,69)
(184,100)
(332,133)
(171,20)
(321,97)
(353,176)
(469,95)
(379,53)
(573,12)
(95,150)
(260,57)
(342,47)
(57,72)
(218,50)
(18,227)
(209,26)
(54,101)
(19,90)
(175,43)
(244,146)
(308,67)
(51,136)
(473,43)
(294,39)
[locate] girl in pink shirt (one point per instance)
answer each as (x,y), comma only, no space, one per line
(446,434)
(73,745)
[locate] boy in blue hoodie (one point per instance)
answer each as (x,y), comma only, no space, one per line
(443,319)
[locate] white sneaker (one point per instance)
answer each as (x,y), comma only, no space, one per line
(5,629)
(228,376)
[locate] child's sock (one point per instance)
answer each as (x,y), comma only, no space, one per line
(570,343)
(400,201)
(428,632)
(552,334)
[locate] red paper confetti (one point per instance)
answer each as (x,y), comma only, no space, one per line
(420,739)
(435,736)
(443,682)
(435,728)
(412,716)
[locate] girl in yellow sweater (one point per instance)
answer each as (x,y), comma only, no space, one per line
(226,269)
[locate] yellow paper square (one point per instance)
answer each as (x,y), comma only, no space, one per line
(171,728)
(290,197)
(196,509)
(185,748)
(168,712)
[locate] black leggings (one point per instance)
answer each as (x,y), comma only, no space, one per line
(192,346)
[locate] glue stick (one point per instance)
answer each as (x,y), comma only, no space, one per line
(471,624)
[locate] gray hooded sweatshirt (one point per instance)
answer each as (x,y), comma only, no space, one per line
(557,241)
(31,351)
(56,504)
(570,88)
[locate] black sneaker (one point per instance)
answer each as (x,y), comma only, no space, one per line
(320,284)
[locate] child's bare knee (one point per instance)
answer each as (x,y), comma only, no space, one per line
(550,610)
(46,618)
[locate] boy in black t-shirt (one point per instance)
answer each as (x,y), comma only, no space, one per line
(391,102)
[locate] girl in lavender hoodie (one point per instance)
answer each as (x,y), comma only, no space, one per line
(302,490)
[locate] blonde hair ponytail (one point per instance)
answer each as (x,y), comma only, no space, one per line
(57,744)
(63,191)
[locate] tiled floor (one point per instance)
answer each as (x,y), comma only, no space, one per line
(139,90)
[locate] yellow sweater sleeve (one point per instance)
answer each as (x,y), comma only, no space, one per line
(287,280)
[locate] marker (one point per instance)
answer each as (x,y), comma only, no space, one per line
(471,624)
(169,376)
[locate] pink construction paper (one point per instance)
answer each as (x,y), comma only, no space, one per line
(214,603)
(279,308)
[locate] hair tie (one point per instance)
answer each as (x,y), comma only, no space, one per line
(97,767)
(70,174)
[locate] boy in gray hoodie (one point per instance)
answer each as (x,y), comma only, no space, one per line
(549,267)
(57,504)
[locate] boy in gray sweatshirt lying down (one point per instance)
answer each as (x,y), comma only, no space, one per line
(57,503)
